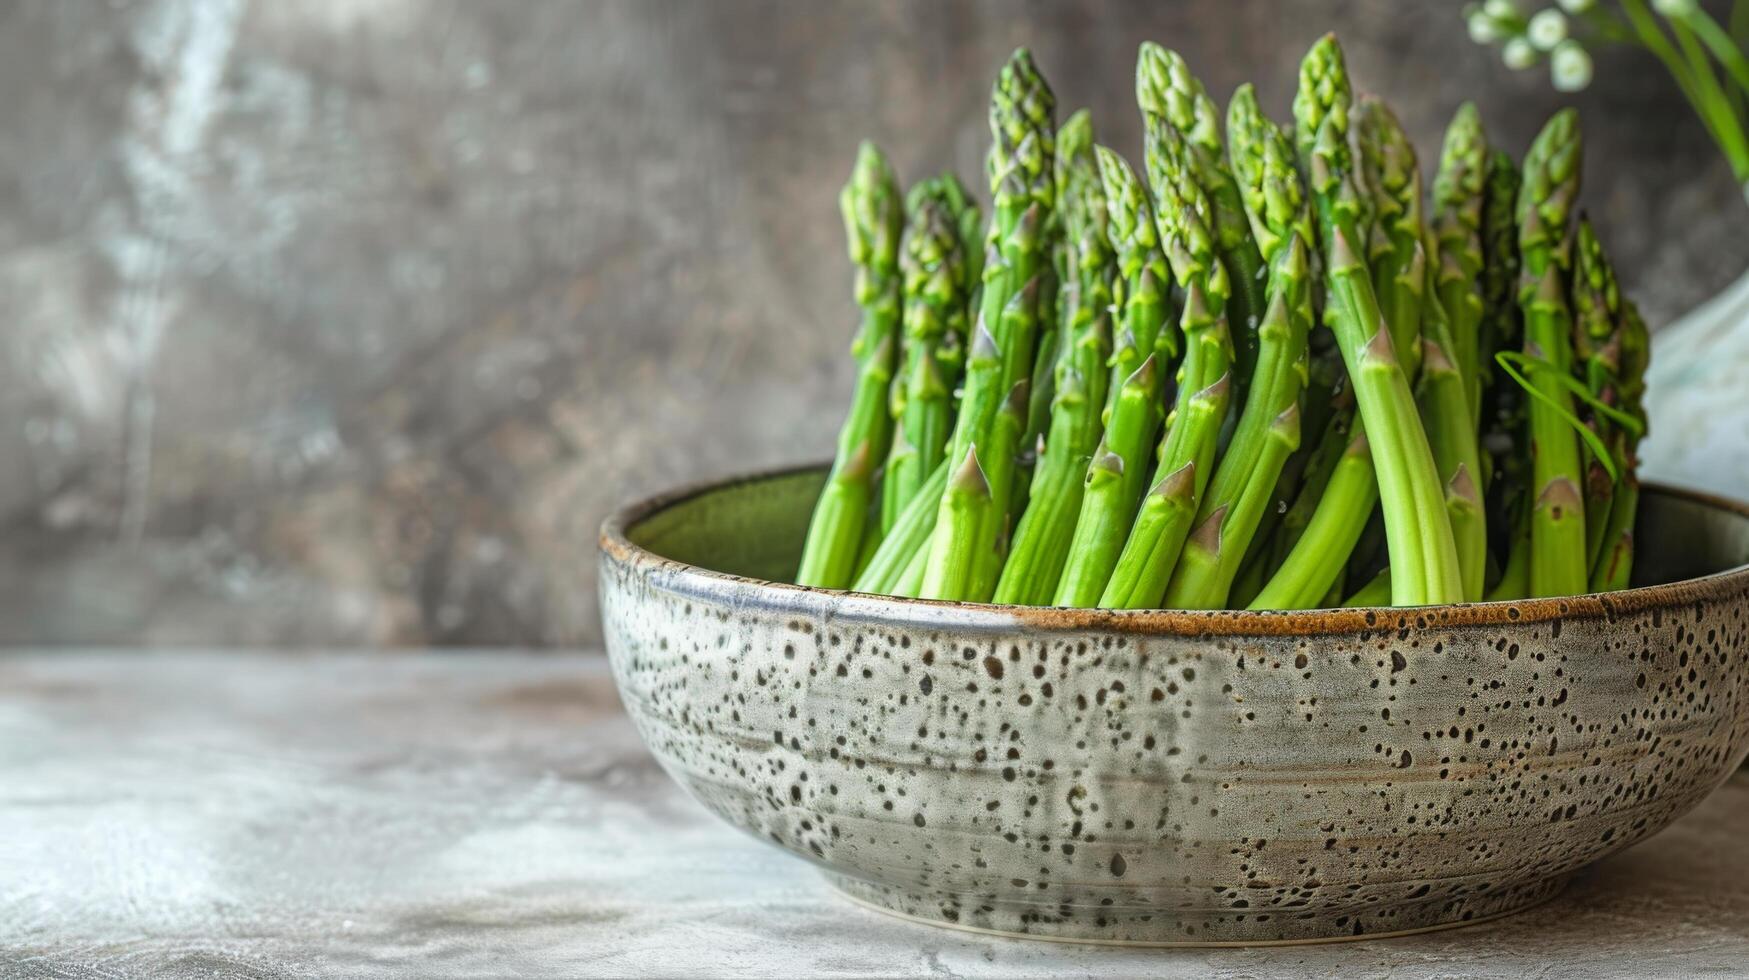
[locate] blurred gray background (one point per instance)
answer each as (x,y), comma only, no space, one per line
(346,321)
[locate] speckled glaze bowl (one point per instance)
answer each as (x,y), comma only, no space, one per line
(1172,777)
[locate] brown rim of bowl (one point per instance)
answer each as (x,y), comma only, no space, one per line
(928,613)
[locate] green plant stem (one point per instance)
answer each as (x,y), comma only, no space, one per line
(1308,573)
(1714,110)
(1113,487)
(1080,374)
(908,536)
(872,211)
(1615,564)
(1424,559)
(1706,83)
(1186,457)
(1267,433)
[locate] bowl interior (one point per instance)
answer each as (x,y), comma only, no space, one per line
(754,528)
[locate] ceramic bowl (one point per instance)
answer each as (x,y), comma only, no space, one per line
(1165,777)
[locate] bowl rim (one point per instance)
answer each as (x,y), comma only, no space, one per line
(616,546)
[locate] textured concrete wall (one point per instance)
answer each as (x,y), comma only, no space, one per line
(345,321)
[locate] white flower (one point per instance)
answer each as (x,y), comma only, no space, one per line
(1483,29)
(1518,54)
(1501,9)
(1577,7)
(1674,8)
(1547,29)
(1570,66)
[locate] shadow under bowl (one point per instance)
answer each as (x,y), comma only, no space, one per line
(1164,777)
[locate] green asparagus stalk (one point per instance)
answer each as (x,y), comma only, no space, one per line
(1242,488)
(1615,562)
(937,291)
(1023,188)
(1320,464)
(955,562)
(1023,191)
(1152,547)
(1113,487)
(907,537)
(1140,293)
(1046,528)
(1144,351)
(1392,179)
(1301,484)
(1224,521)
(1445,411)
(872,217)
(1307,575)
(1167,91)
(1004,468)
(1419,320)
(1459,190)
(1551,182)
(1423,553)
(909,584)
(950,543)
(1503,424)
(1186,455)
(1596,303)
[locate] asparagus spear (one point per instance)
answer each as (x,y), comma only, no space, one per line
(1307,575)
(1041,540)
(1109,497)
(1320,464)
(1392,180)
(1615,563)
(1151,550)
(1023,192)
(872,216)
(907,537)
(1167,91)
(1268,429)
(1144,349)
(1419,320)
(1423,553)
(1597,348)
(937,290)
(1458,192)
(1022,180)
(1445,411)
(1610,341)
(1551,182)
(1186,455)
(954,564)
(1507,458)
(1140,292)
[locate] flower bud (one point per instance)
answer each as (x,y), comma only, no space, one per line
(1547,29)
(1570,66)
(1518,54)
(1483,29)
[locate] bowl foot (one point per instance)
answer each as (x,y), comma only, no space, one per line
(1111,925)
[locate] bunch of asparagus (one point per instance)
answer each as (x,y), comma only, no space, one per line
(1272,370)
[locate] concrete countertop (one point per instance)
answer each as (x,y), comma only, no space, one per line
(490,814)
